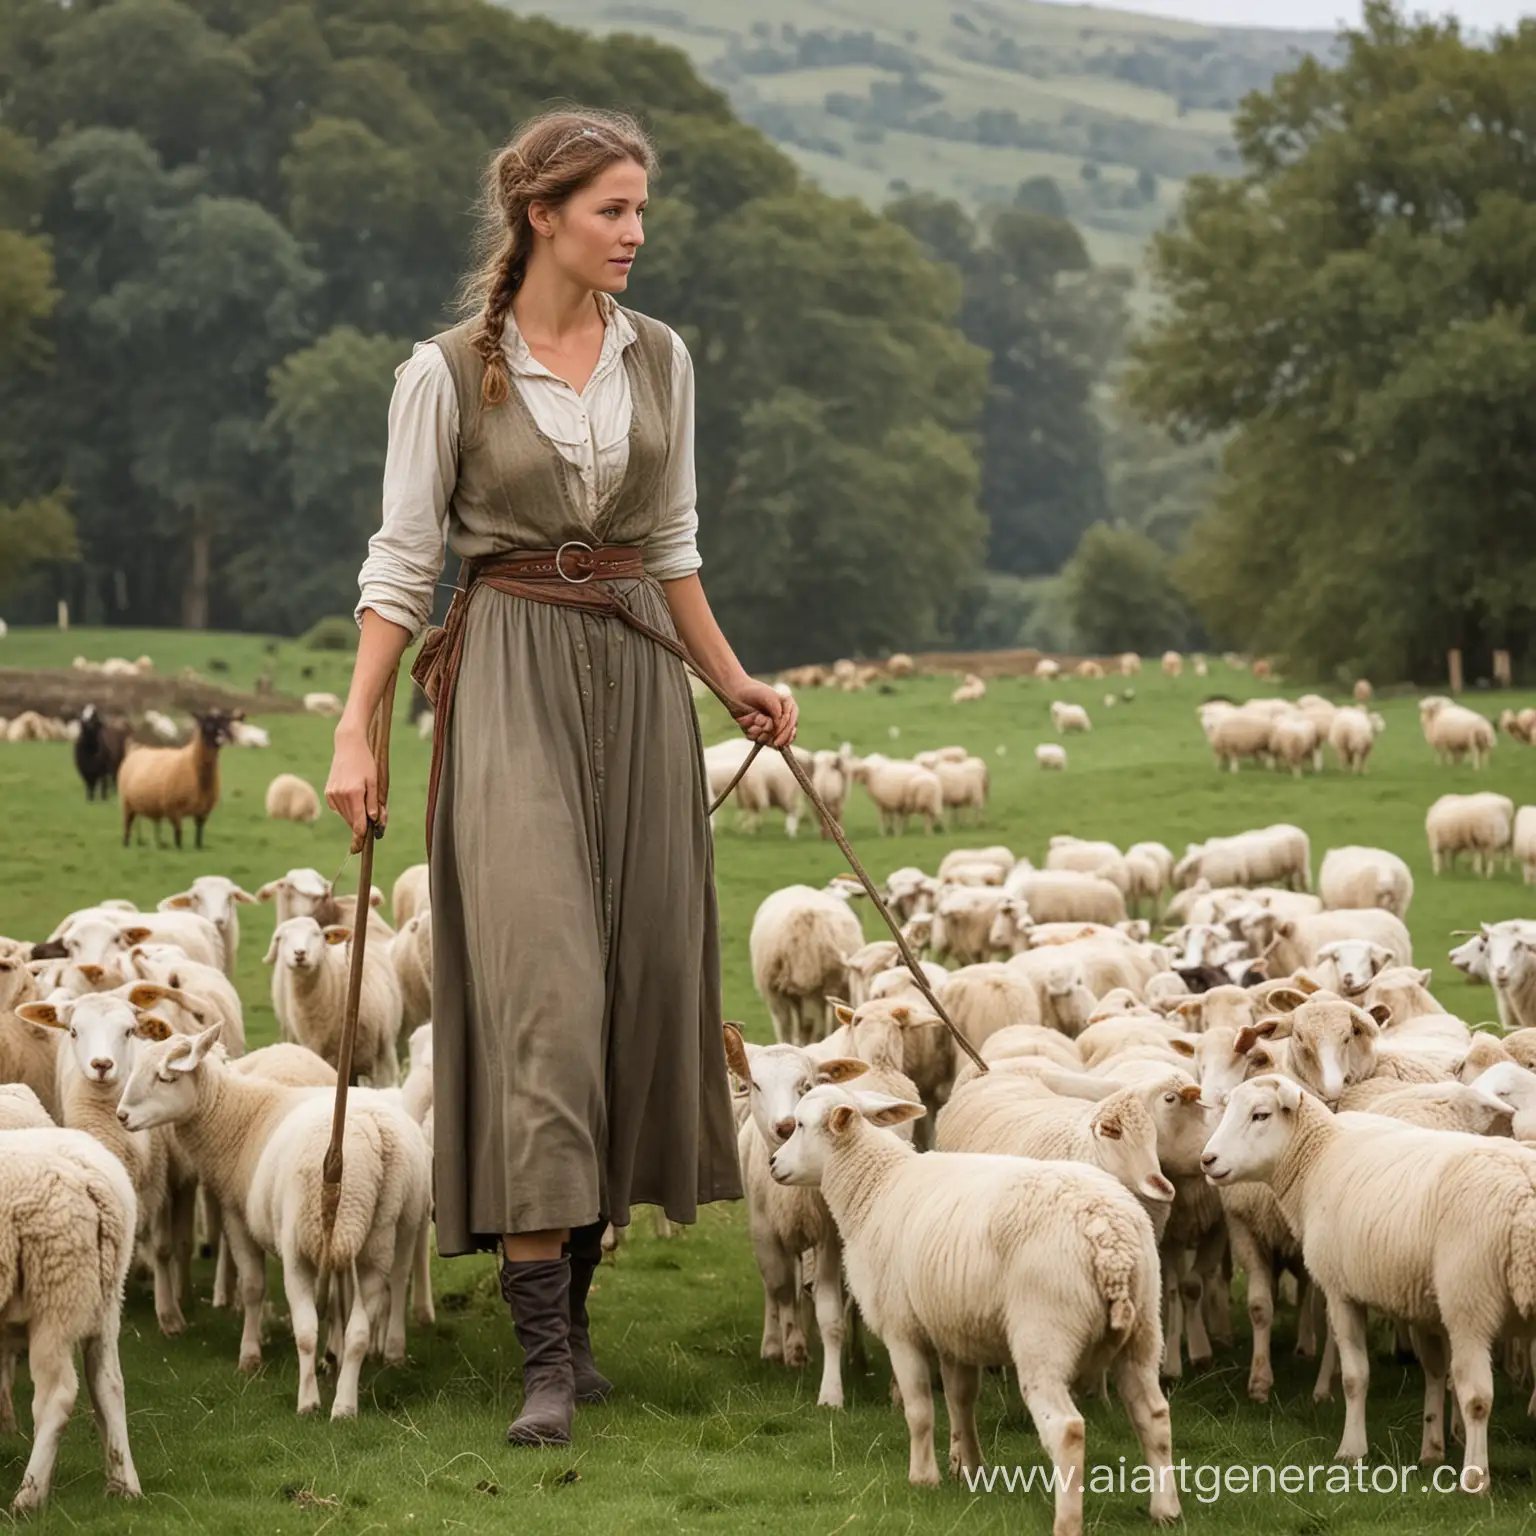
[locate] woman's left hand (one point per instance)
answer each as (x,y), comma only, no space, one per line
(772,719)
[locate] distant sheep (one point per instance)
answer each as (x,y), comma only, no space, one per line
(900,665)
(1455,732)
(1090,670)
(323,704)
(1352,735)
(1480,824)
(1051,754)
(1173,664)
(971,688)
(290,798)
(1365,877)
(1130,664)
(99,752)
(1364,693)
(798,943)
(175,784)
(1068,718)
(1047,670)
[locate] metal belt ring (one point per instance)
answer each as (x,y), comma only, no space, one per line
(575,581)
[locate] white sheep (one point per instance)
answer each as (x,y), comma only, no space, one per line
(1000,858)
(1068,718)
(1267,855)
(214,897)
(899,790)
(1511,964)
(1354,876)
(971,688)
(1173,664)
(167,965)
(1294,943)
(290,798)
(830,782)
(1066,896)
(410,893)
(261,1147)
(1048,1267)
(28,1052)
(1352,735)
(1480,824)
(1293,742)
(1455,732)
(1457,1259)
(323,704)
(1052,755)
(104,937)
(767,784)
(1047,670)
(798,941)
(243,734)
(964,785)
(67,1221)
(1129,664)
(962,922)
(1241,733)
(1523,842)
(410,952)
(299,893)
(310,969)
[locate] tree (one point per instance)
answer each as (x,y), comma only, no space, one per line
(1120,593)
(1353,311)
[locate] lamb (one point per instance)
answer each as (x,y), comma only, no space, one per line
(1523,842)
(1243,733)
(1173,664)
(1268,855)
(908,892)
(104,937)
(299,893)
(1051,1268)
(323,704)
(409,894)
(67,1220)
(1047,670)
(983,999)
(167,965)
(1455,732)
(100,1028)
(1352,736)
(1051,755)
(290,798)
(900,790)
(99,752)
(787,1222)
(1353,876)
(798,940)
(1457,1260)
(410,952)
(1129,664)
(963,923)
(1480,824)
(970,689)
(175,783)
(214,897)
(1001,858)
(310,969)
(1340,1052)
(1067,718)
(831,784)
(904,1032)
(1295,943)
(1293,742)
(260,1147)
(1066,896)
(28,1052)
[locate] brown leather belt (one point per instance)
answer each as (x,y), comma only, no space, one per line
(565,577)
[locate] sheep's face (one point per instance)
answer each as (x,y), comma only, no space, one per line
(1255,1130)
(1357,961)
(162,1086)
(1405,990)
(1509,958)
(1484,1053)
(210,896)
(827,1121)
(300,943)
(1071,1001)
(1332,1046)
(14,979)
(1126,1137)
(102,1031)
(779,1076)
(99,941)
(297,894)
(1508,1087)
(1010,926)
(1184,1123)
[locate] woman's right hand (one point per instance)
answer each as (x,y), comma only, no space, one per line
(352,790)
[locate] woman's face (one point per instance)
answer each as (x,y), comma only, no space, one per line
(595,233)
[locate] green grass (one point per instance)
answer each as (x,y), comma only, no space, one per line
(705,1436)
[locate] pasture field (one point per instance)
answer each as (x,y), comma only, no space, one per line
(703,1435)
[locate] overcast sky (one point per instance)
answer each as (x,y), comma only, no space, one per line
(1324,14)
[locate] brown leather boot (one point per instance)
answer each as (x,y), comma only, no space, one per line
(537,1292)
(586,1253)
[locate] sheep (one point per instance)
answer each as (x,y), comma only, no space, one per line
(175,783)
(899,790)
(100,1029)
(908,891)
(1470,1109)
(167,965)
(970,689)
(162,725)
(28,1052)
(798,940)
(409,894)
(1067,896)
(1173,664)
(67,1219)
(998,856)
(310,969)
(1511,962)
(99,752)
(1051,755)
(1050,1268)
(290,798)
(983,999)
(1129,664)
(1352,735)
(785,1223)
(1089,670)
(964,786)
(1353,876)
(900,665)
(963,923)
(29,725)
(299,893)
(243,734)
(1293,742)
(831,784)
(1481,824)
(1455,732)
(410,952)
(1295,943)
(1523,842)
(323,704)
(214,897)
(1047,670)
(1160,856)
(1242,733)
(1092,858)
(1269,855)
(1471,958)
(1363,692)
(904,1032)
(1457,1259)
(260,1147)
(1510,1088)
(105,937)
(1067,718)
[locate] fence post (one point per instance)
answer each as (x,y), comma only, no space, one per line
(1503,675)
(1453,661)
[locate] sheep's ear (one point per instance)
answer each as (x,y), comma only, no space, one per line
(1285,928)
(1107,1125)
(91,971)
(1289,1094)
(179,902)
(1189,1007)
(138,934)
(1284,999)
(198,1048)
(54,1015)
(1182,1047)
(1382,955)
(841,1118)
(375,896)
(337,933)
(1247,1038)
(736,1051)
(237,894)
(152,1027)
(145,994)
(268,891)
(902,1015)
(840,1069)
(1306,985)
(1381,1012)
(844,1013)
(1327,952)
(271,954)
(1190,1093)
(881,1109)
(1425,977)
(1370,1020)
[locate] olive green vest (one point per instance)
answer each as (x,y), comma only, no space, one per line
(516,491)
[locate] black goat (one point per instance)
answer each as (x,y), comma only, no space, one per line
(99,752)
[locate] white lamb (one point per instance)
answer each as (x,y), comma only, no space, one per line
(1068,718)
(970,689)
(105,937)
(1052,755)
(963,922)
(900,790)
(260,1147)
(830,782)
(1048,1267)
(1481,824)
(215,897)
(798,941)
(290,798)
(1456,1261)
(310,968)
(67,1222)
(1353,734)
(1353,876)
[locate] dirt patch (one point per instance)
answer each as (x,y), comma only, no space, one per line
(1003,663)
(64,691)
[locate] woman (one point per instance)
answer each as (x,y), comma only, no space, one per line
(578,1057)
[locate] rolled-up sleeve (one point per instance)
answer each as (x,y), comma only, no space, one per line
(405,556)
(673,550)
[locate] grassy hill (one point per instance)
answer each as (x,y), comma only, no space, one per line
(972,97)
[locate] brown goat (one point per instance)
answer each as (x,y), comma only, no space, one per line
(176,783)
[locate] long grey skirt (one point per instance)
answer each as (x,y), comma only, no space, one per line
(578,1065)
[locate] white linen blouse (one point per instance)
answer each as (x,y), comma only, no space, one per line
(591,430)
